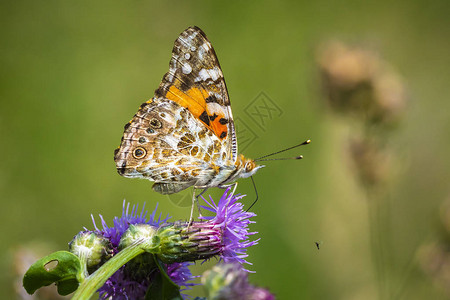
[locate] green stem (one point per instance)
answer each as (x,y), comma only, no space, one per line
(84,272)
(96,280)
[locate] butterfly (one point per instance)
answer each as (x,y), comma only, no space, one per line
(185,135)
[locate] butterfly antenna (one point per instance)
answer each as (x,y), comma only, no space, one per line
(283,158)
(262,158)
(256,192)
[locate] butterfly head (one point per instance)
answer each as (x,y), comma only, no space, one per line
(248,165)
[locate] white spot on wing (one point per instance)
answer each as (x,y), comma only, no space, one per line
(202,75)
(170,77)
(201,53)
(206,74)
(187,55)
(206,46)
(188,39)
(215,73)
(215,108)
(186,68)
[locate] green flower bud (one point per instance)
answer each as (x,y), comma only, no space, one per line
(181,242)
(92,248)
(138,232)
(138,268)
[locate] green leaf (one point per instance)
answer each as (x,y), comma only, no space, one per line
(163,287)
(62,267)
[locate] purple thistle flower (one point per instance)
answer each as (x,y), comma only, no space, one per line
(181,274)
(233,220)
(230,281)
(121,224)
(225,235)
(177,244)
(125,284)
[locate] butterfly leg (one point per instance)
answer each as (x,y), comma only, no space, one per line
(256,192)
(198,205)
(234,185)
(194,202)
(234,188)
(191,218)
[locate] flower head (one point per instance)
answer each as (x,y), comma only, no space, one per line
(230,281)
(233,220)
(181,274)
(128,282)
(121,224)
(176,245)
(225,234)
(93,248)
(357,81)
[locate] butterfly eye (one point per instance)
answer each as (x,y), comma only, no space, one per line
(250,166)
(142,140)
(155,123)
(139,152)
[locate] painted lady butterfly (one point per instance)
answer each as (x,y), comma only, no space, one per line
(184,136)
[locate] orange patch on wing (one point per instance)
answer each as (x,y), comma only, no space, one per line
(194,100)
(218,128)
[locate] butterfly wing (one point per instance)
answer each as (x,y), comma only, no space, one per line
(195,81)
(185,135)
(166,144)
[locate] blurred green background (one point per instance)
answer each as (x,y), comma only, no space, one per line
(74,72)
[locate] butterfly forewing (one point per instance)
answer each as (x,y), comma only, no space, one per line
(195,81)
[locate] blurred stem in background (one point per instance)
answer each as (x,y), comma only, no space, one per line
(434,257)
(370,96)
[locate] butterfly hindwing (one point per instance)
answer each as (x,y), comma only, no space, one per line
(195,81)
(165,143)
